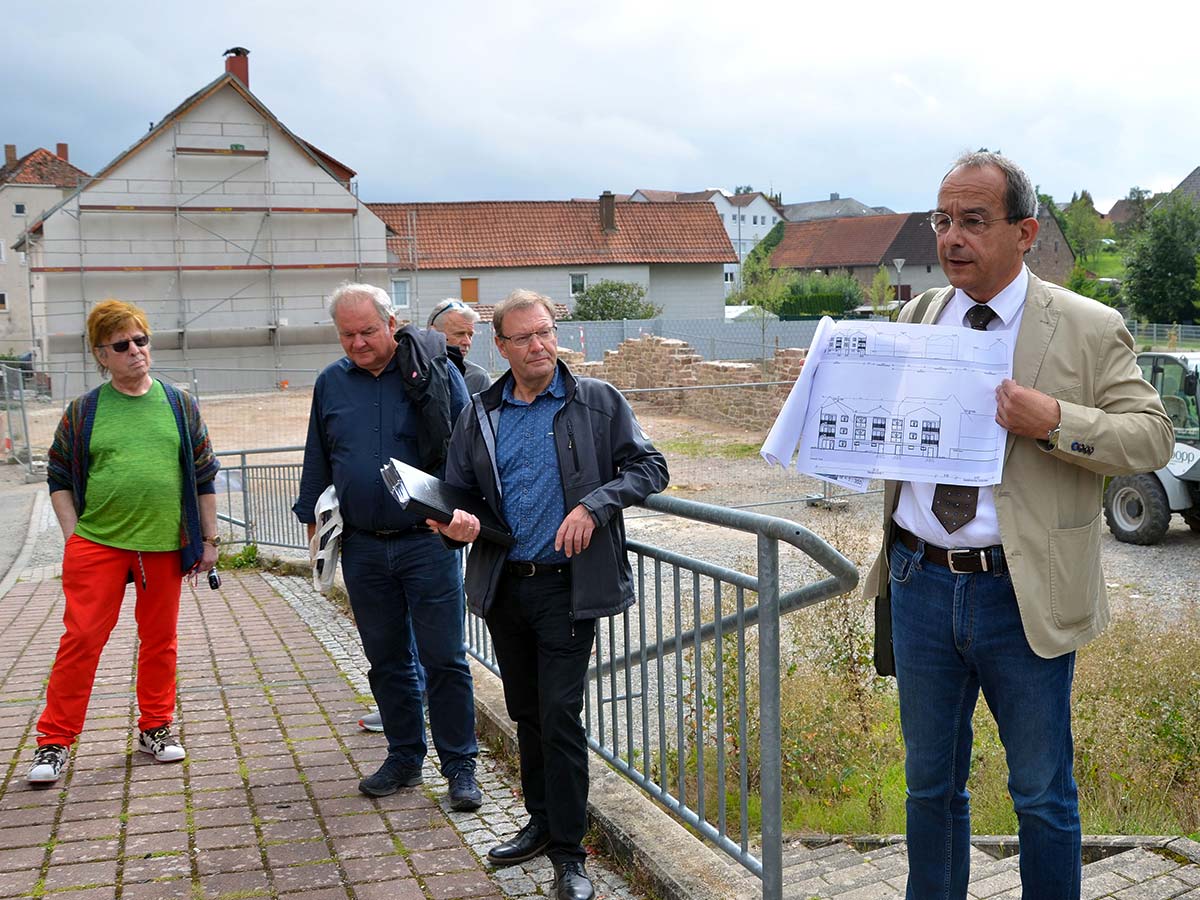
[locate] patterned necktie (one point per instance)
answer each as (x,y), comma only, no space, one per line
(954,504)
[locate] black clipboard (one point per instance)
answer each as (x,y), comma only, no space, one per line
(431,498)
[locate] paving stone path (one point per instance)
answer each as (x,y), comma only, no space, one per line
(272,684)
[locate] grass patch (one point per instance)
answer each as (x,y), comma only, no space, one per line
(700,446)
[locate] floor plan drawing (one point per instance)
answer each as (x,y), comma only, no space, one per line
(886,400)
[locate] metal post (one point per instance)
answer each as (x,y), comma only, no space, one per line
(769,726)
(246,502)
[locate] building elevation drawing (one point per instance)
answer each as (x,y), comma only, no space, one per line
(888,400)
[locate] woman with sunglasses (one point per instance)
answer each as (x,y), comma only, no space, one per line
(131,481)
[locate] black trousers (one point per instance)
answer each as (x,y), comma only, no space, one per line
(543,659)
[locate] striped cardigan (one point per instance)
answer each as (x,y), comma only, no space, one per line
(67,467)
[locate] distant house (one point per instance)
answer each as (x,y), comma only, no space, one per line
(860,245)
(224,225)
(29,185)
(1051,257)
(747,218)
(480,251)
(1190,186)
(836,207)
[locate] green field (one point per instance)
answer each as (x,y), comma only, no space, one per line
(1106,264)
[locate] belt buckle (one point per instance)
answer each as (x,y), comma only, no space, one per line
(972,553)
(523,568)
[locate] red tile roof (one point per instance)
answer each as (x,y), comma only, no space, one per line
(505,234)
(40,166)
(827,243)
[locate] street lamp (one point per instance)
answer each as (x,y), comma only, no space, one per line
(898,262)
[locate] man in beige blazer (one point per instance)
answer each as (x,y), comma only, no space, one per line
(994,588)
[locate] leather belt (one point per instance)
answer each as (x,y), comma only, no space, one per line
(419,528)
(966,561)
(521,569)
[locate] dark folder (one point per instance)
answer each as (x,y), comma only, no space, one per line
(431,498)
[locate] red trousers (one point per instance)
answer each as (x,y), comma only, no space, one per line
(93,580)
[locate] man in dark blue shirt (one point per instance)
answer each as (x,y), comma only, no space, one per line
(402,580)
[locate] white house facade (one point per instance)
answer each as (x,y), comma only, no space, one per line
(223,225)
(29,185)
(480,252)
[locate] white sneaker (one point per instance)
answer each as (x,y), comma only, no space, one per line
(372,721)
(48,762)
(161,744)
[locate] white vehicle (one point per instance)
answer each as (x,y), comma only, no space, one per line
(1138,508)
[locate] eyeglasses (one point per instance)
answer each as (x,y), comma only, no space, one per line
(523,340)
(121,346)
(940,222)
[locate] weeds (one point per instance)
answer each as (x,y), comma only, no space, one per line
(246,558)
(1136,723)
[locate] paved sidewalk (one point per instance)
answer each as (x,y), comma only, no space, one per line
(266,804)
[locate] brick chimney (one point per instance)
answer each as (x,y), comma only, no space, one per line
(10,154)
(237,64)
(63,153)
(608,213)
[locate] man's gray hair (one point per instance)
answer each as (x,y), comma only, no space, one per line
(520,299)
(452,304)
(351,291)
(1020,199)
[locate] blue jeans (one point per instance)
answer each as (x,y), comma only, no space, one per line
(403,587)
(954,635)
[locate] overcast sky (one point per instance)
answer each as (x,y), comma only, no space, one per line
(553,100)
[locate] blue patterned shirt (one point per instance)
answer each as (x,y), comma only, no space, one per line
(530,478)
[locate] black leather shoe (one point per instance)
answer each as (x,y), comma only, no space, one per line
(529,842)
(389,778)
(571,882)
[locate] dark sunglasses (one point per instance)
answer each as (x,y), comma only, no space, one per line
(121,346)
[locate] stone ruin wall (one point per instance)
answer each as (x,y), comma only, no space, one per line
(654,362)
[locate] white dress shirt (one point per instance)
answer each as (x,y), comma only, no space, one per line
(914,512)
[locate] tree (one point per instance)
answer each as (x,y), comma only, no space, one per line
(1161,273)
(761,285)
(880,291)
(1082,226)
(607,299)
(743,189)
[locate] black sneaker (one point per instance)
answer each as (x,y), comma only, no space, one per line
(389,778)
(465,795)
(48,762)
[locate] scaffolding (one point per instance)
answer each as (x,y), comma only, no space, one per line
(224,230)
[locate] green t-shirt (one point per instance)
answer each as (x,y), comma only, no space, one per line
(135,483)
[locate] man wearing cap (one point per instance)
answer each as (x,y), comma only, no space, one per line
(994,588)
(456,320)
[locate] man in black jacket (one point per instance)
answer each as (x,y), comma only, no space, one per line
(558,458)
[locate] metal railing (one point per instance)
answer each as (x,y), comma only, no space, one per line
(683,696)
(16,422)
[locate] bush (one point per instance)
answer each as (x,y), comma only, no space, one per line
(821,295)
(606,300)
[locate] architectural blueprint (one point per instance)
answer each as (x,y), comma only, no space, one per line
(889,400)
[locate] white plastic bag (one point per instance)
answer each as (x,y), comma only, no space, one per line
(326,541)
